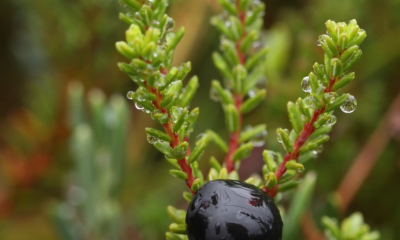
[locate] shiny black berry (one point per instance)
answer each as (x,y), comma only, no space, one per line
(232,210)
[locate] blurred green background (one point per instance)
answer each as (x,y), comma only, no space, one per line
(46,45)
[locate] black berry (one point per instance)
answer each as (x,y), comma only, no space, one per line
(232,210)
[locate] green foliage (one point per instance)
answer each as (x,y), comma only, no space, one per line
(149,47)
(352,228)
(98,149)
(312,117)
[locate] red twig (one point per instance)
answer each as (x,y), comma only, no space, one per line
(301,139)
(234,137)
(185,167)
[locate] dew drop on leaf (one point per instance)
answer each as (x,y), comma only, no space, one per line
(138,106)
(350,105)
(129,95)
(214,95)
(170,24)
(305,84)
(259,139)
(331,121)
(151,139)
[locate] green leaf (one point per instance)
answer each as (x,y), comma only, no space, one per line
(288,186)
(178,228)
(294,165)
(180,150)
(243,151)
(270,180)
(162,118)
(332,225)
(219,24)
(295,117)
(352,60)
(231,118)
(178,174)
(174,39)
(132,4)
(249,39)
(181,119)
(319,70)
(314,143)
(158,134)
(189,92)
(217,140)
(284,136)
(187,196)
(239,76)
(336,67)
(253,102)
(176,215)
(198,150)
(255,59)
(125,50)
(252,132)
(270,160)
(174,236)
(287,176)
(222,65)
(344,80)
(256,13)
(165,148)
(343,41)
(196,184)
(215,164)
(228,6)
(331,27)
(359,38)
(328,46)
(338,102)
(225,95)
(229,50)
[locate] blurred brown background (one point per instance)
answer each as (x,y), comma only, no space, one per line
(47,44)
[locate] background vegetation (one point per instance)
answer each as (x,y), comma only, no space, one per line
(47,44)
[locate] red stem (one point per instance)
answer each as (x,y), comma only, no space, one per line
(234,137)
(185,167)
(301,139)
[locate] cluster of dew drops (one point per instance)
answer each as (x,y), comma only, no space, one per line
(348,107)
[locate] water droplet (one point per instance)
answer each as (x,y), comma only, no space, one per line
(252,92)
(214,95)
(350,105)
(315,154)
(170,24)
(311,102)
(303,118)
(331,121)
(330,97)
(305,84)
(175,112)
(138,106)
(129,95)
(279,136)
(301,170)
(151,139)
(259,139)
(122,3)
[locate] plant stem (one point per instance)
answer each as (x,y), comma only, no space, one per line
(185,167)
(301,139)
(234,137)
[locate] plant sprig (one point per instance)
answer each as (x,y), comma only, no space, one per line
(240,26)
(312,117)
(149,46)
